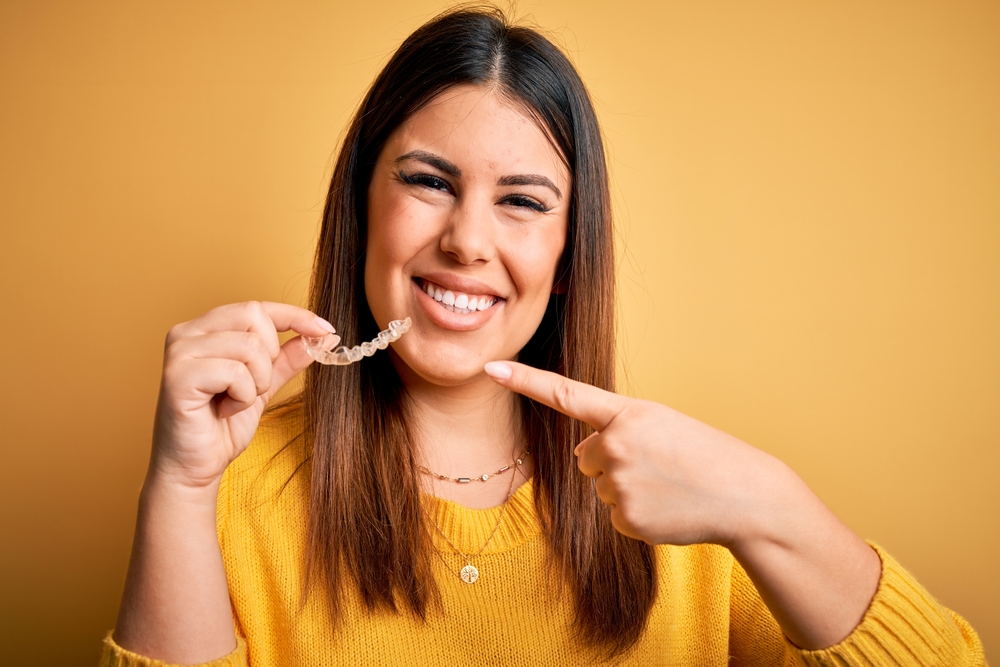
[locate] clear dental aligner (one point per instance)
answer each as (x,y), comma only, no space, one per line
(342,356)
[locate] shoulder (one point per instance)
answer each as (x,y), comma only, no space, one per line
(697,561)
(696,579)
(275,466)
(278,443)
(701,574)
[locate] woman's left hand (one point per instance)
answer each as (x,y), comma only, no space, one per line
(670,479)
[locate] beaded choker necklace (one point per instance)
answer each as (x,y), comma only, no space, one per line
(481,478)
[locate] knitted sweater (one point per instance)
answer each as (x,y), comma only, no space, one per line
(707,611)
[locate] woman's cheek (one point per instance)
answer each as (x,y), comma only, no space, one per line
(537,259)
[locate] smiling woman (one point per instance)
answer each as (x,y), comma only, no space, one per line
(471,196)
(466,200)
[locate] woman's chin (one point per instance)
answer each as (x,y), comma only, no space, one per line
(427,370)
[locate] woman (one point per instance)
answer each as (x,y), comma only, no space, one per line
(434,505)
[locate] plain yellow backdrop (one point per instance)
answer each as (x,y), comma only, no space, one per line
(808,199)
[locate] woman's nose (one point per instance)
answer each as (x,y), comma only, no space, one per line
(468,235)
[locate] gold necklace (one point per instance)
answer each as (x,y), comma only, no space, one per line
(470,573)
(481,478)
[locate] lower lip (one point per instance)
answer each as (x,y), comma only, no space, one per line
(454,321)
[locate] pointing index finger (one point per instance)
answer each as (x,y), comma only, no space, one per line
(576,399)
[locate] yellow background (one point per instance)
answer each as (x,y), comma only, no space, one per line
(809,205)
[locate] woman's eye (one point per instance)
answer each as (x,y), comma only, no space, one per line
(426,180)
(525,202)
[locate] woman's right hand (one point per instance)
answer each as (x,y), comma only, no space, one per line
(219,372)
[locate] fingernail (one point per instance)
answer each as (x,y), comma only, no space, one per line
(498,370)
(325,325)
(576,450)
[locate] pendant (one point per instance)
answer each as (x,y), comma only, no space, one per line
(469,574)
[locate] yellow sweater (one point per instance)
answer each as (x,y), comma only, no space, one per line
(707,612)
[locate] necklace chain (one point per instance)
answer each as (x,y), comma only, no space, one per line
(469,574)
(481,478)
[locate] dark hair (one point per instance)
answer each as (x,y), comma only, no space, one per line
(366,526)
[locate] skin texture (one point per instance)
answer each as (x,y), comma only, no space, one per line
(470,194)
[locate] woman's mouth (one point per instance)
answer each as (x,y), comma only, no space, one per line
(458,302)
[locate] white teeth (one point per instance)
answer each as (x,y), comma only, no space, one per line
(457,303)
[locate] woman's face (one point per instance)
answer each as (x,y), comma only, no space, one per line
(469,201)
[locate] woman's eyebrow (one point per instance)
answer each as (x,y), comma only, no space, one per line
(435,161)
(529,179)
(440,163)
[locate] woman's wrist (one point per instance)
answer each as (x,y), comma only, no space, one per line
(165,486)
(813,572)
(190,473)
(777,509)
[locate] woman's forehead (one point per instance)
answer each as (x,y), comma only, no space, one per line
(481,127)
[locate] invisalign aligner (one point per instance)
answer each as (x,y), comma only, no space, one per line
(342,356)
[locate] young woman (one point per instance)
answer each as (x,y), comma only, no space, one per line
(478,493)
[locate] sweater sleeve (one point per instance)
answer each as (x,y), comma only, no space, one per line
(113,655)
(904,625)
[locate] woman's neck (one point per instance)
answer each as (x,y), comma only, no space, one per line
(467,431)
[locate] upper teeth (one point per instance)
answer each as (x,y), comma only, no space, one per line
(458,302)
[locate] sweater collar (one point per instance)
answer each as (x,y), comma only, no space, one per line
(468,529)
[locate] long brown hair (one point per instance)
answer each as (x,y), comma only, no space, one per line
(365,525)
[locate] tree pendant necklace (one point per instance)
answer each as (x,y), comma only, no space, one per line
(470,573)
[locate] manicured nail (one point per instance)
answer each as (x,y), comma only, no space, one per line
(499,370)
(323,324)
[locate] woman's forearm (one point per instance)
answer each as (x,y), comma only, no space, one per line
(219,372)
(176,602)
(814,573)
(671,479)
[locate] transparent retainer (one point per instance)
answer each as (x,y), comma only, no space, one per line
(342,356)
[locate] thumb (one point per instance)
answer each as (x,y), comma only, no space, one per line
(292,360)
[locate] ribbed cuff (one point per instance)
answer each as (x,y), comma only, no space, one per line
(113,655)
(904,625)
